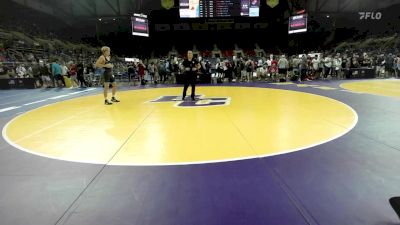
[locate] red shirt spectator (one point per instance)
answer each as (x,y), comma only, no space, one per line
(72,70)
(274,67)
(141,70)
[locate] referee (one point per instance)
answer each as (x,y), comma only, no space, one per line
(190,67)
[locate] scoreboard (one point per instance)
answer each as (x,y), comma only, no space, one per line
(140,25)
(218,8)
(298,24)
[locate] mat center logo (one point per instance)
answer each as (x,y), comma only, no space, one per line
(200,101)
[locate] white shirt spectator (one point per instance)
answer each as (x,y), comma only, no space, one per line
(398,63)
(315,63)
(64,70)
(21,71)
(296,63)
(152,68)
(328,62)
(283,63)
(337,63)
(269,62)
(29,73)
(259,63)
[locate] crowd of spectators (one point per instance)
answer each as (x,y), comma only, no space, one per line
(39,60)
(277,68)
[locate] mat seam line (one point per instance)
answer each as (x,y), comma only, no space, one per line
(304,212)
(100,171)
(377,141)
(241,134)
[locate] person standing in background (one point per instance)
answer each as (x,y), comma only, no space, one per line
(80,68)
(190,68)
(56,72)
(104,61)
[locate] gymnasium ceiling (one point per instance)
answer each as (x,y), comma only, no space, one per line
(72,9)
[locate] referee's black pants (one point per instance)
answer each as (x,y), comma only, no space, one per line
(190,79)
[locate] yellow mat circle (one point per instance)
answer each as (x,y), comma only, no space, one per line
(388,88)
(152,127)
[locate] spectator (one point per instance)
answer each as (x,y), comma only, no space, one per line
(327,66)
(80,68)
(303,68)
(56,74)
(46,75)
(389,65)
(283,66)
(21,71)
(315,67)
(398,66)
(336,63)
(162,71)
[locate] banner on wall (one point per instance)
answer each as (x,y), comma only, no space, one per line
(272,3)
(167,4)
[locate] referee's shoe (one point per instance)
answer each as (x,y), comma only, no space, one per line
(395,203)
